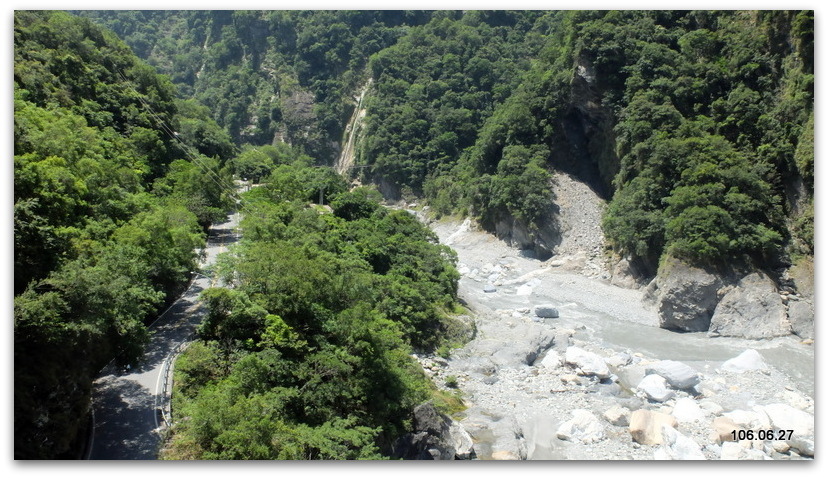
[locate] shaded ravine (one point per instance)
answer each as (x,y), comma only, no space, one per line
(127,405)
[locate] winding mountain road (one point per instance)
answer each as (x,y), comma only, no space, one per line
(127,404)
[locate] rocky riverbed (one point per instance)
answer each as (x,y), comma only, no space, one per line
(601,381)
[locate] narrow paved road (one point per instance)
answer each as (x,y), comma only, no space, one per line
(126,404)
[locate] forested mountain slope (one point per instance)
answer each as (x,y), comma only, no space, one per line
(109,211)
(696,125)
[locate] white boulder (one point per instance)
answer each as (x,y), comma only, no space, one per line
(687,410)
(677,374)
(655,388)
(588,362)
(747,360)
(583,427)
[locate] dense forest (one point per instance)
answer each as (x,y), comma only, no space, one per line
(109,213)
(307,356)
(697,127)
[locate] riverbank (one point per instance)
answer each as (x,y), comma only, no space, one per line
(522,393)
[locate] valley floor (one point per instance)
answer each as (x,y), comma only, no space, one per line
(520,392)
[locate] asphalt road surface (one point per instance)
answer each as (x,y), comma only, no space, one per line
(128,422)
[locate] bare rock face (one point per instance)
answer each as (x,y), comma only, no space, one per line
(801,305)
(435,437)
(801,317)
(684,296)
(625,275)
(540,239)
(753,310)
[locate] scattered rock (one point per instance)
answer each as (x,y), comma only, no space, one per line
(752,309)
(780,446)
(655,388)
(489,288)
(747,360)
(677,374)
(618,416)
(646,426)
(786,417)
(678,447)
(583,427)
(587,362)
(546,311)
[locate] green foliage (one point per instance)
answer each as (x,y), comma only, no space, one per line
(96,255)
(707,132)
(522,185)
(311,346)
(357,204)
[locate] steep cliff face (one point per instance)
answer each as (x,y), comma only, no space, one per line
(585,164)
(588,131)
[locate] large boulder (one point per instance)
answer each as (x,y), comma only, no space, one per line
(587,362)
(462,441)
(509,441)
(546,311)
(646,426)
(680,376)
(752,309)
(583,427)
(740,451)
(749,419)
(435,437)
(516,346)
(684,296)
